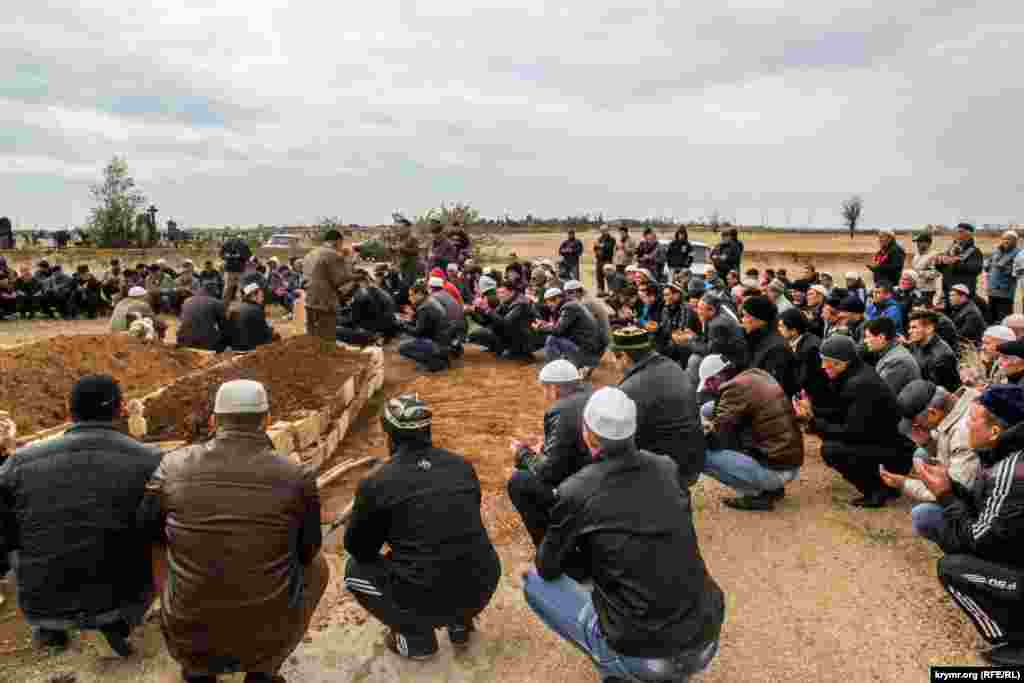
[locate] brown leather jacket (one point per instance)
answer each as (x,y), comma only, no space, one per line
(326,271)
(754,416)
(240,522)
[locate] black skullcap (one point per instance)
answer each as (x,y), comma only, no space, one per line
(1012,348)
(915,397)
(1005,401)
(96,398)
(332,236)
(839,347)
(965,226)
(760,307)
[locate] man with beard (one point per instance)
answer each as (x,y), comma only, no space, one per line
(571,250)
(440,569)
(1002,277)
(888,262)
(604,253)
(544,462)
(676,317)
(961,263)
(766,348)
(666,402)
(859,428)
(982,527)
(505,324)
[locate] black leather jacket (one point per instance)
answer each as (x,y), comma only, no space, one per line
(67,507)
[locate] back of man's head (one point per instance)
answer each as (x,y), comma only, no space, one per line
(96,398)
(884,327)
(610,419)
(241,404)
(332,235)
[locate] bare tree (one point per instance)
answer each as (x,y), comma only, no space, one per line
(852,209)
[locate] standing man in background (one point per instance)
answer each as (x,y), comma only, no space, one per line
(327,268)
(236,254)
(604,253)
(571,251)
(624,250)
(1002,275)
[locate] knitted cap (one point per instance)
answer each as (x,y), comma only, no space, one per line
(1005,401)
(761,308)
(915,397)
(839,347)
(552,293)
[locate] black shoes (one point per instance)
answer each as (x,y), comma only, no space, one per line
(1006,654)
(56,641)
(410,649)
(875,499)
(763,501)
(459,635)
(117,637)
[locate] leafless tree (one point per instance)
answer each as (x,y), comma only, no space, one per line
(852,209)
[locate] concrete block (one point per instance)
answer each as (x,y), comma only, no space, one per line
(307,430)
(348,391)
(282,437)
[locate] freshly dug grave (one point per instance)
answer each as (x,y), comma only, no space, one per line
(299,374)
(36,380)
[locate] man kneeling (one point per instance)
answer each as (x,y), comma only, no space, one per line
(441,570)
(242,528)
(654,613)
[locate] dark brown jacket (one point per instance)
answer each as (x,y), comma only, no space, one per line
(754,416)
(326,271)
(240,522)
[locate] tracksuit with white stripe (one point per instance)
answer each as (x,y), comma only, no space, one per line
(982,536)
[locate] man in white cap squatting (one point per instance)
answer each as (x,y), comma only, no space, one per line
(242,528)
(504,321)
(542,463)
(135,303)
(654,613)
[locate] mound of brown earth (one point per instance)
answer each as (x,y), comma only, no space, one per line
(36,380)
(298,372)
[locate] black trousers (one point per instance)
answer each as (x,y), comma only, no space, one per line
(858,463)
(370,583)
(532,499)
(496,343)
(355,335)
(999,309)
(989,594)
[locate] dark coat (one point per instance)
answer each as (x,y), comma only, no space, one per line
(888,265)
(431,322)
(863,412)
(667,418)
(511,322)
(564,453)
(571,250)
(938,363)
(373,309)
(236,254)
(769,352)
(249,327)
(680,254)
(970,323)
(578,324)
(67,506)
(967,268)
(604,249)
(807,372)
(204,323)
(726,256)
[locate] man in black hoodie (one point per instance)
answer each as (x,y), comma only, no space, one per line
(981,529)
(859,428)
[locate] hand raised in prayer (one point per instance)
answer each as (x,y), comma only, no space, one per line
(889,479)
(935,477)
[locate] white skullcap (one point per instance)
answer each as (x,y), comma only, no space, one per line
(573,285)
(435,281)
(1000,332)
(161,262)
(819,289)
(559,371)
(137,292)
(610,414)
(631,268)
(1014,319)
(554,291)
(241,396)
(887,231)
(487,284)
(709,367)
(647,273)
(852,275)
(453,267)
(250,288)
(1011,233)
(188,262)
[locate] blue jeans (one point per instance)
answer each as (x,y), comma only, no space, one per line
(424,351)
(746,475)
(928,521)
(559,347)
(567,609)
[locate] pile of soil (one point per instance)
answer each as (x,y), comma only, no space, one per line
(36,380)
(299,373)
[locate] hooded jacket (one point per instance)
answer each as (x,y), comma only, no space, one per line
(67,508)
(666,409)
(754,416)
(987,520)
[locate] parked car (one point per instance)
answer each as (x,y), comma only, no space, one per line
(700,256)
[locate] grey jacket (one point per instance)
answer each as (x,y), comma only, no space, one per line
(898,368)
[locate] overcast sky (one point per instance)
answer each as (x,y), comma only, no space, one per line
(281,111)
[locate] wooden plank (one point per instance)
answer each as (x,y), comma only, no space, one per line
(340,469)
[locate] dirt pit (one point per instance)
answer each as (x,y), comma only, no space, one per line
(36,380)
(299,374)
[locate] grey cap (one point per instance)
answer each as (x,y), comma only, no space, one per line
(241,396)
(610,414)
(915,397)
(559,371)
(573,285)
(839,347)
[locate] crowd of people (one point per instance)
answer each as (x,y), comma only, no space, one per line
(912,381)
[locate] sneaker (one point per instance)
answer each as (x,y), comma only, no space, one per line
(1006,654)
(401,646)
(459,634)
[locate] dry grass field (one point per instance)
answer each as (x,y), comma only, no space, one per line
(817,590)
